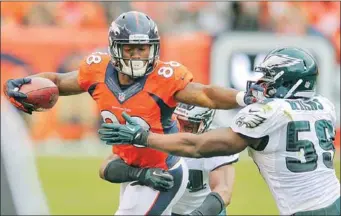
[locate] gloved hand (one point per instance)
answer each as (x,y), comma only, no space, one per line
(156,178)
(116,134)
(250,96)
(11,90)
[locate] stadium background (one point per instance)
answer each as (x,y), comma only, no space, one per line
(55,36)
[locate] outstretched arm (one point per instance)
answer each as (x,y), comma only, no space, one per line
(210,96)
(218,142)
(67,83)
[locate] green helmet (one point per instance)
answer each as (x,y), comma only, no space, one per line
(288,73)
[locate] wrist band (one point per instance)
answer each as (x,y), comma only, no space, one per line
(240,98)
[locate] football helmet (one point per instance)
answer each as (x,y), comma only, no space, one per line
(198,119)
(134,28)
(288,73)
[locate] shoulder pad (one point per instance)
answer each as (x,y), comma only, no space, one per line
(258,120)
(172,71)
(329,106)
(173,77)
(92,69)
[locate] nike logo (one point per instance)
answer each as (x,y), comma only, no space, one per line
(131,129)
(253,111)
(156,174)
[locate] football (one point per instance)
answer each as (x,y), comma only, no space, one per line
(41,93)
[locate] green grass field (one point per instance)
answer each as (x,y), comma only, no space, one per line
(72,186)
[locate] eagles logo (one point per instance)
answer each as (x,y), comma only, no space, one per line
(186,106)
(250,120)
(280,61)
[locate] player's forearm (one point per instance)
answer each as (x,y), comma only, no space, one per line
(212,143)
(225,194)
(117,171)
(221,98)
(222,181)
(67,83)
(181,144)
(212,205)
(53,76)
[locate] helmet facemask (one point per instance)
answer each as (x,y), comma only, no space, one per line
(188,126)
(134,68)
(194,119)
(269,82)
(276,85)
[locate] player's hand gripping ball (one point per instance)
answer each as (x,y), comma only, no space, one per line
(32,94)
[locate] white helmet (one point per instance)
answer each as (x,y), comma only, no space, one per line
(199,117)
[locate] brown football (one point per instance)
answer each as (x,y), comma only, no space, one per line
(41,93)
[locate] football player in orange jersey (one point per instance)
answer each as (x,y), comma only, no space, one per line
(133,79)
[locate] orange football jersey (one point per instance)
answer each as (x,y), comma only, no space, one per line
(149,100)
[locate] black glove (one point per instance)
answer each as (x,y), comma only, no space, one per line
(117,171)
(11,90)
(156,178)
(116,134)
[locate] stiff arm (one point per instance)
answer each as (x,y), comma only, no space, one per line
(217,142)
(251,127)
(210,96)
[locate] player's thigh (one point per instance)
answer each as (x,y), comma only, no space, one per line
(144,200)
(333,209)
(123,187)
(180,174)
(136,199)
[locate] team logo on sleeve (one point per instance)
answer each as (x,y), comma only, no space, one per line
(250,120)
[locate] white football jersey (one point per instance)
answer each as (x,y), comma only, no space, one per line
(192,199)
(296,158)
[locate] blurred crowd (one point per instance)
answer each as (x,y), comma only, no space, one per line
(73,119)
(313,18)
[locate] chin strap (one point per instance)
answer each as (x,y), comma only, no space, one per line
(290,92)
